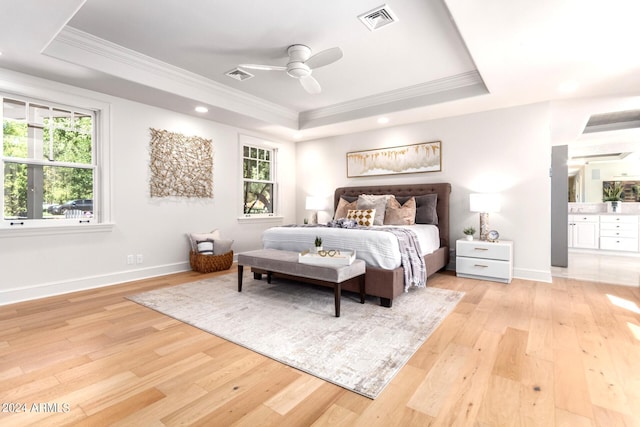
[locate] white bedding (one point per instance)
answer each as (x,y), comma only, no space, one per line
(376,247)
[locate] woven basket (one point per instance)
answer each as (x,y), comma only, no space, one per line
(210,263)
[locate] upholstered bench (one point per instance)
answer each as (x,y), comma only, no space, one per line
(286,263)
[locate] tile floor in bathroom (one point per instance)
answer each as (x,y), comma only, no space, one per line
(606,268)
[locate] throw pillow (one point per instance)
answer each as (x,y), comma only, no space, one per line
(376,202)
(205,247)
(397,214)
(343,208)
(362,216)
(221,246)
(425,208)
(195,237)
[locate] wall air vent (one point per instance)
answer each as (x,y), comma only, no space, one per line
(378,17)
(238,74)
(613,121)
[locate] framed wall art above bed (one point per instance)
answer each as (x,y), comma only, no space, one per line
(416,158)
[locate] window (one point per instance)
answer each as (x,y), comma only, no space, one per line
(258,180)
(48,168)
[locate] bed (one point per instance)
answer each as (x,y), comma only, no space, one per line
(384,277)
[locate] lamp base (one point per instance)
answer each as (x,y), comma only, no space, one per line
(484,225)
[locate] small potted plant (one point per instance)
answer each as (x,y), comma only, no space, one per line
(613,194)
(318,243)
(469,232)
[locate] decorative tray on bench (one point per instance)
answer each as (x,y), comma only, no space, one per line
(332,257)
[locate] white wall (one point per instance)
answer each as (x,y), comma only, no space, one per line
(506,151)
(36,266)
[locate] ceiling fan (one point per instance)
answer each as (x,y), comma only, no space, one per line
(301,64)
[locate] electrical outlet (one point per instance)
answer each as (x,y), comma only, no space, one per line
(139,259)
(130,259)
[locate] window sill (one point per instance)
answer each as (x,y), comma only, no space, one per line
(275,218)
(56,230)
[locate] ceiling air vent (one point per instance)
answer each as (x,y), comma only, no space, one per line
(238,74)
(378,17)
(613,121)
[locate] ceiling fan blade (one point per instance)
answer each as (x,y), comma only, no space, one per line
(310,84)
(263,67)
(325,57)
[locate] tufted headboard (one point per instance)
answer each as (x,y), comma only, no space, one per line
(443,190)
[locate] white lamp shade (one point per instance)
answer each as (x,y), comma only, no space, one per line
(484,202)
(314,203)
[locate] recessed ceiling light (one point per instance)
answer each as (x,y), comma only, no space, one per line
(201,109)
(383,120)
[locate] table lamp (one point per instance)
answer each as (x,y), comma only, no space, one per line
(315,204)
(484,203)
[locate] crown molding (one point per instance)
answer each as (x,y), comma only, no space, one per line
(446,84)
(89,51)
(84,49)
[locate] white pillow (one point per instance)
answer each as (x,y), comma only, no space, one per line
(221,246)
(373,201)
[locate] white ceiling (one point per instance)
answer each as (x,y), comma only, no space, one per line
(440,58)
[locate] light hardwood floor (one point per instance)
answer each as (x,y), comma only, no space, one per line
(538,354)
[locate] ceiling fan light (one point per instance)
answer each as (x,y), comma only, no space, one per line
(298,70)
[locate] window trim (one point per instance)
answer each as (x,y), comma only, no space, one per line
(252,141)
(33,90)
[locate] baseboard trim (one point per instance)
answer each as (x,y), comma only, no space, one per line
(28,293)
(535,275)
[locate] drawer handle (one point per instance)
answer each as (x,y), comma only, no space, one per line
(481,249)
(480,265)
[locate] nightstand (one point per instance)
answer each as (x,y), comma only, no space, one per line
(479,259)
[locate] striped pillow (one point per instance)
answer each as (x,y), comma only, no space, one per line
(205,247)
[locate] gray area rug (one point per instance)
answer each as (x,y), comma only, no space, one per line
(293,323)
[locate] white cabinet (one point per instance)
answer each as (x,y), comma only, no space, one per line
(477,259)
(619,233)
(584,231)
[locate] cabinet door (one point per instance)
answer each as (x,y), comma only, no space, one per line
(585,235)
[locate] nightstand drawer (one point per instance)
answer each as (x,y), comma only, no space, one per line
(485,250)
(487,268)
